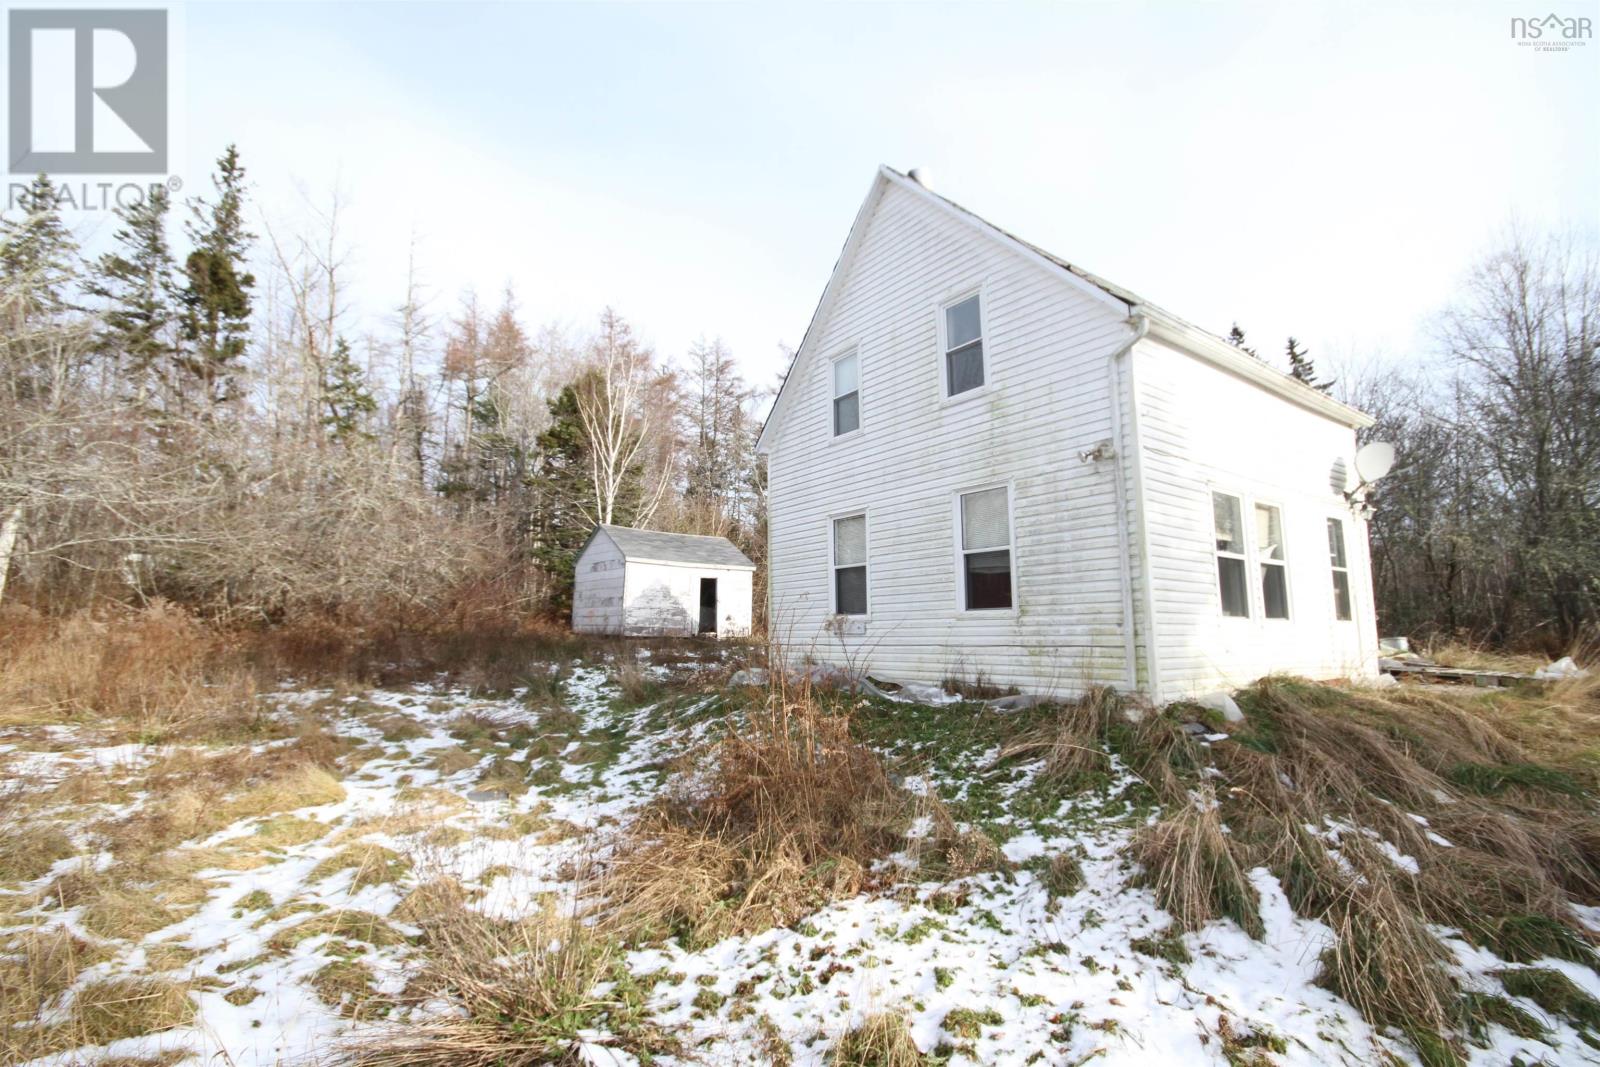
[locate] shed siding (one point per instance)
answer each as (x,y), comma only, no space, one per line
(1205,429)
(1047,399)
(597,588)
(663,599)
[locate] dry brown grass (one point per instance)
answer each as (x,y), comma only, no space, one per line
(158,673)
(1383,959)
(29,847)
(521,993)
(1523,833)
(880,1040)
(1193,871)
(787,815)
(196,795)
(1453,652)
(115,1008)
(350,924)
(347,987)
(36,967)
(1071,741)
(373,865)
(129,900)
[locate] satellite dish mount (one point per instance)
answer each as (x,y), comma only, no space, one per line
(1373,461)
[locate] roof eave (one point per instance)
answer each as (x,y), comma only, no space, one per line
(880,181)
(1214,350)
(690,563)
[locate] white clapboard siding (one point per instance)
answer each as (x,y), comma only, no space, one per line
(597,588)
(1205,429)
(1046,400)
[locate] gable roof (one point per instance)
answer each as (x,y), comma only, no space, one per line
(653,546)
(1164,325)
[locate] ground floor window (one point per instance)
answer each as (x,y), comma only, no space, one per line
(850,565)
(1274,568)
(1232,586)
(1341,570)
(986,549)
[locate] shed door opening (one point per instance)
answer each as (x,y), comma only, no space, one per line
(708,605)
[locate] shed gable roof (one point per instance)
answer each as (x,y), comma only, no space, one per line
(1173,329)
(653,546)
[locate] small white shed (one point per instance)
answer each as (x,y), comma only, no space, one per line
(642,583)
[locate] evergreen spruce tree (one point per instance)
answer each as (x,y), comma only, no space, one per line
(216,296)
(138,281)
(1301,368)
(561,486)
(38,256)
(1236,339)
(345,394)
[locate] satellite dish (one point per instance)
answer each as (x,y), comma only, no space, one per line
(1375,460)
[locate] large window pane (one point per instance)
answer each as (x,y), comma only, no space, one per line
(961,322)
(850,590)
(846,375)
(985,520)
(1269,532)
(850,541)
(965,368)
(988,580)
(1341,573)
(1231,584)
(1341,595)
(1229,524)
(847,414)
(1275,590)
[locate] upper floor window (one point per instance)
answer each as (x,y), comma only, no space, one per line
(963,346)
(846,394)
(1274,569)
(986,549)
(850,565)
(1232,585)
(1341,570)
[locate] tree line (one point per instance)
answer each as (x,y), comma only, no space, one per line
(208,427)
(1488,528)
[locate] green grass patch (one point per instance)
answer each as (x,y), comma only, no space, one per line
(1491,779)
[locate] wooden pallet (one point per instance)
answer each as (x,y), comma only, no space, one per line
(1457,675)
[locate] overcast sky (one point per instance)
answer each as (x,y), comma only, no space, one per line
(1327,170)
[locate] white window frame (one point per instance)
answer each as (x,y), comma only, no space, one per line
(1246,515)
(833,363)
(866,563)
(981,291)
(961,549)
(1259,586)
(1350,587)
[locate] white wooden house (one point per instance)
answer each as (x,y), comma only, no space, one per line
(986,461)
(642,583)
